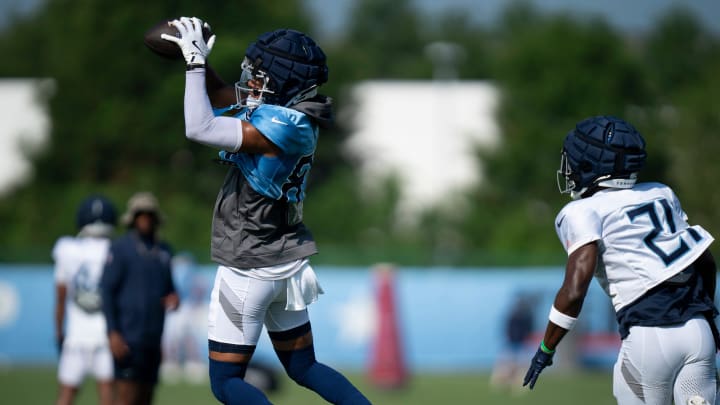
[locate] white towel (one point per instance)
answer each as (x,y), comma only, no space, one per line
(303,289)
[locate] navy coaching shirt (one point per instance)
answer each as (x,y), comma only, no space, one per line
(136,279)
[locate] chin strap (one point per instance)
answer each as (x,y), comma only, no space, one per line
(628,182)
(621,183)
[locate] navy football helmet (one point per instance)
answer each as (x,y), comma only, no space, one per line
(287,67)
(96,216)
(601,151)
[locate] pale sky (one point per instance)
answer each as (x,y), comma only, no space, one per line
(633,15)
(627,15)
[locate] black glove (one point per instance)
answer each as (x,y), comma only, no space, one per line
(538,363)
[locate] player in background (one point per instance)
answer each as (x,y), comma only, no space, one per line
(518,327)
(137,290)
(185,334)
(655,267)
(267,135)
(79,322)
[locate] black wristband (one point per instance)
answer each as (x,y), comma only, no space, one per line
(195,66)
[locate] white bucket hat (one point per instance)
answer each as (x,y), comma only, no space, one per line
(143,201)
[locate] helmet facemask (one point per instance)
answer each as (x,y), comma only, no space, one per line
(248,94)
(565,174)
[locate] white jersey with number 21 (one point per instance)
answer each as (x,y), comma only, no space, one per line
(642,234)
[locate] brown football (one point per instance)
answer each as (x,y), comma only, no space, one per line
(164,47)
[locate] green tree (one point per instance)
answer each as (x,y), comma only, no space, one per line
(685,59)
(118,126)
(117,113)
(553,72)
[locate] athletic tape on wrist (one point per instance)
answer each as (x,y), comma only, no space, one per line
(560,319)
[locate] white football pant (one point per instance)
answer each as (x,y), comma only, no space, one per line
(77,361)
(241,305)
(659,365)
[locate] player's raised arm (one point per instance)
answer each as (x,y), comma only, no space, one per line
(203,85)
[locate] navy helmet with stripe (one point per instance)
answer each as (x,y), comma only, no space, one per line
(96,216)
(290,65)
(601,151)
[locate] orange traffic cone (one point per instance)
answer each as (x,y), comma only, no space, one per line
(387,364)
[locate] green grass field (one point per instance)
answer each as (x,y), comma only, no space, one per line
(37,386)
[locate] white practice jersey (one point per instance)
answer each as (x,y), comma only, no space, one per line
(79,264)
(642,234)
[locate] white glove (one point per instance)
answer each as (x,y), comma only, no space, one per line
(191,42)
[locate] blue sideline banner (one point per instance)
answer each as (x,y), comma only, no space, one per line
(447,319)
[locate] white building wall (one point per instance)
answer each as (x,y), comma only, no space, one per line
(24,127)
(426,133)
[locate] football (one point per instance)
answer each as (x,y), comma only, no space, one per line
(163,47)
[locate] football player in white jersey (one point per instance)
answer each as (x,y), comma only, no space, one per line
(656,268)
(79,323)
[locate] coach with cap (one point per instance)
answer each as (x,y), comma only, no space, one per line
(137,290)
